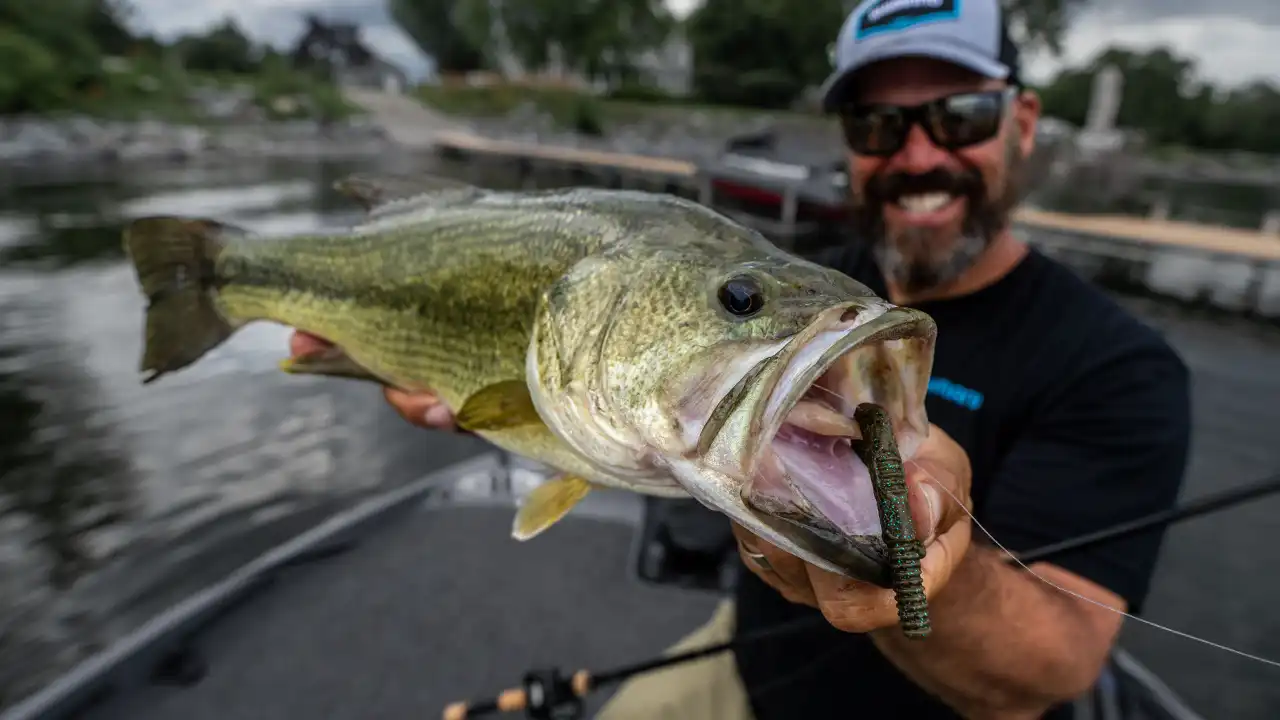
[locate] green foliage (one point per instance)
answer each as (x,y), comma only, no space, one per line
(30,80)
(598,38)
(1165,100)
(80,56)
(633,91)
(434,27)
(223,49)
(569,109)
(761,53)
(1040,24)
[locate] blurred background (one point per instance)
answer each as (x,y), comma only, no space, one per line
(122,508)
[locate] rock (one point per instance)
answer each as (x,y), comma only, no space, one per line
(78,138)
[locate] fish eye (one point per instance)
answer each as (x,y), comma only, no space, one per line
(742,296)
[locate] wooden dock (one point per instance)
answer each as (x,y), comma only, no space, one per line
(464,143)
(1254,247)
(1201,239)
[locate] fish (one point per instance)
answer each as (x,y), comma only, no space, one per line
(625,339)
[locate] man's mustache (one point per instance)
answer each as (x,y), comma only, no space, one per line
(888,188)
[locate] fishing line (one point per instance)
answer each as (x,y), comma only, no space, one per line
(549,694)
(1073,545)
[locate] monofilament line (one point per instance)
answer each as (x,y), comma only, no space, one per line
(1074,594)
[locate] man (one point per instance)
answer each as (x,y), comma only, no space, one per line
(1055,413)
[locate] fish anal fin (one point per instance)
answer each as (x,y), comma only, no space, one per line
(547,504)
(330,361)
(499,406)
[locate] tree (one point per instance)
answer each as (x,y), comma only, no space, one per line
(52,50)
(761,52)
(1040,24)
(598,38)
(432,25)
(225,48)
(1164,98)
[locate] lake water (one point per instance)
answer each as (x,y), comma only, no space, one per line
(118,499)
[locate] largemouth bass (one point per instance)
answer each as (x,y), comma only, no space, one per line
(625,339)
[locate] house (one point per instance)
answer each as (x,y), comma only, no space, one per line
(336,47)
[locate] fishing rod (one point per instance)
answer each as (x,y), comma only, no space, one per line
(551,695)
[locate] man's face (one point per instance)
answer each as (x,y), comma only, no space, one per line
(931,211)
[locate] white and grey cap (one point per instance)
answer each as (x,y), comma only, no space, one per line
(969,33)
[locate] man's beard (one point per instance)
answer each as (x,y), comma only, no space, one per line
(922,259)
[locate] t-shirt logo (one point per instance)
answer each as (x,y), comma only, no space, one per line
(890,15)
(956,393)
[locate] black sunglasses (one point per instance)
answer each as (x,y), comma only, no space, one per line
(951,122)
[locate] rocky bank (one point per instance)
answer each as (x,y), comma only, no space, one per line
(26,140)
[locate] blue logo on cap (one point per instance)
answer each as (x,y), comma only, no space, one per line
(891,15)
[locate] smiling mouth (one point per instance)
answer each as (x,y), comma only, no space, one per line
(808,476)
(924,203)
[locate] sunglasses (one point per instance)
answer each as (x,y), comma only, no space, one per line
(952,122)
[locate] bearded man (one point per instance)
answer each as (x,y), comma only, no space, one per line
(1055,413)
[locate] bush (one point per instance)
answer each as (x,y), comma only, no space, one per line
(29,82)
(641,92)
(568,108)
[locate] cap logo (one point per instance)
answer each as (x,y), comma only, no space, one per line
(891,15)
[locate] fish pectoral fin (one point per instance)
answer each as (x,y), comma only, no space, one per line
(547,504)
(499,406)
(375,191)
(331,361)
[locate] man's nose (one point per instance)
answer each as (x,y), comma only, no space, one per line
(918,154)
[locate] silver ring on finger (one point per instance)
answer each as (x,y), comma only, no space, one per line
(759,559)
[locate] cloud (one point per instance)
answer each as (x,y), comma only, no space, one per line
(1228,49)
(1266,12)
(280,22)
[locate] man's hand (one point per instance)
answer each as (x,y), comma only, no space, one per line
(861,607)
(421,409)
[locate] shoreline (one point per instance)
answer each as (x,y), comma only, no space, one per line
(38,141)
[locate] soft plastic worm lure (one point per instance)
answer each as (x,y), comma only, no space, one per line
(879,452)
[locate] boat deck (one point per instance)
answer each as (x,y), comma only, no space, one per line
(437,606)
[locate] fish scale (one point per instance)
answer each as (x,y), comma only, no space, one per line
(625,339)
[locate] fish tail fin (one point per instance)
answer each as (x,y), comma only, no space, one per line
(174,261)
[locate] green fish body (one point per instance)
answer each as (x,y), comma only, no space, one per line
(626,339)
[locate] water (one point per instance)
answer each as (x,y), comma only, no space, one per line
(117,499)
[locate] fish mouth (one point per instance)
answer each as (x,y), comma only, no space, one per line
(807,482)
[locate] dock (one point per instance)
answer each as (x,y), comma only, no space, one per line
(1253,256)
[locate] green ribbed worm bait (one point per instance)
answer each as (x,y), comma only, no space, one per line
(879,452)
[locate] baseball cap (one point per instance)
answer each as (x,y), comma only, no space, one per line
(969,33)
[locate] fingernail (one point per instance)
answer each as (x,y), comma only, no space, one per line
(437,415)
(934,501)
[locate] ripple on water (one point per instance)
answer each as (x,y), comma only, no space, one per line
(115,495)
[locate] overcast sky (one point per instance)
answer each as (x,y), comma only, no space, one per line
(1232,40)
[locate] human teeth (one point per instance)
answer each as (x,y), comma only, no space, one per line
(821,420)
(925,202)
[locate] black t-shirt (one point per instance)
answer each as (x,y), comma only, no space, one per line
(1075,417)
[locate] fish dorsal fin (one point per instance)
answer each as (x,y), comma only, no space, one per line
(547,504)
(380,194)
(499,406)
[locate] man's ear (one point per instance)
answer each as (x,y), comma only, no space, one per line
(1026,116)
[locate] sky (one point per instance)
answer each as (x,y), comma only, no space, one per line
(1233,41)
